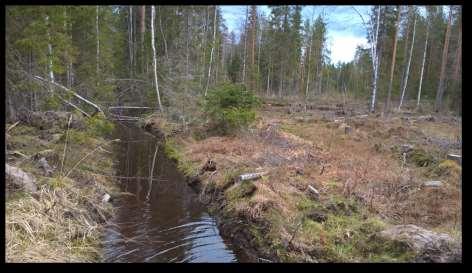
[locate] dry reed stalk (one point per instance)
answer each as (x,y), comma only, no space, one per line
(65,146)
(87,155)
(152,172)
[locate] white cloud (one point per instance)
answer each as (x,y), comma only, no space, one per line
(343,46)
(344,26)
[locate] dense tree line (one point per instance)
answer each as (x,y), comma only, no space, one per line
(105,53)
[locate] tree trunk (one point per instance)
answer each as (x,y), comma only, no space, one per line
(98,43)
(308,69)
(422,68)
(245,40)
(187,53)
(156,83)
(142,30)
(440,92)
(408,66)
(12,113)
(253,47)
(281,81)
(259,55)
(405,51)
(68,64)
(51,72)
(320,79)
(204,45)
(97,108)
(392,67)
(162,33)
(375,63)
(268,78)
(458,59)
(130,40)
(211,53)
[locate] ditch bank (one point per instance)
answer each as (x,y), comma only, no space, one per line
(232,226)
(59,187)
(274,218)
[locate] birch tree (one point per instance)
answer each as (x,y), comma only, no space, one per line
(422,67)
(154,58)
(50,67)
(98,42)
(130,39)
(211,53)
(392,68)
(375,61)
(373,37)
(142,30)
(440,93)
(408,65)
(245,41)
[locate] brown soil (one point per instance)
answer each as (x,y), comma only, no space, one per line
(363,166)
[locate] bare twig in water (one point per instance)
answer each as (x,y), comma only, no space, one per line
(204,188)
(129,177)
(152,171)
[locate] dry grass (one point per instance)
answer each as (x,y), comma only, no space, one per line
(56,225)
(362,166)
(62,221)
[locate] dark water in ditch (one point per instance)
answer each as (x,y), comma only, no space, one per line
(173,226)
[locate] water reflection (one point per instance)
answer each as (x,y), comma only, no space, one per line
(172,226)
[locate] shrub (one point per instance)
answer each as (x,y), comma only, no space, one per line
(98,125)
(230,107)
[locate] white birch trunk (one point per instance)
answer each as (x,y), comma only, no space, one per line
(320,79)
(259,51)
(422,68)
(130,40)
(51,72)
(69,91)
(245,39)
(408,66)
(211,53)
(375,62)
(68,65)
(163,36)
(308,70)
(98,42)
(187,53)
(204,46)
(268,78)
(156,84)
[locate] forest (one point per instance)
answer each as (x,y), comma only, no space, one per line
(299,157)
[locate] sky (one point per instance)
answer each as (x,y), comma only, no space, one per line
(345,30)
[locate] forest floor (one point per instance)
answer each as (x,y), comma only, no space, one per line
(61,219)
(369,171)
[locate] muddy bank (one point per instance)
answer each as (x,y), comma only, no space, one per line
(277,219)
(162,221)
(231,226)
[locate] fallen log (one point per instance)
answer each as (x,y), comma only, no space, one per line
(12,126)
(129,107)
(251,176)
(313,192)
(70,91)
(454,157)
(433,184)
